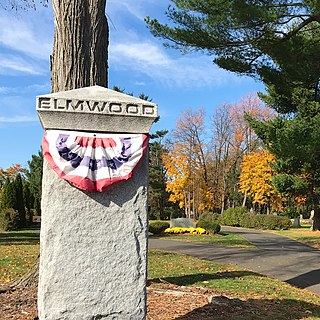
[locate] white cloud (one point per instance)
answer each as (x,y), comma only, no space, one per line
(141,53)
(25,35)
(139,9)
(10,64)
(18,119)
(140,83)
(152,60)
(35,88)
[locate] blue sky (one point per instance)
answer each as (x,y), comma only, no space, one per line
(138,63)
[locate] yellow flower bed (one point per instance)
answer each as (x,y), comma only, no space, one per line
(185,230)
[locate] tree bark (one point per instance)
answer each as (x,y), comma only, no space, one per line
(79,59)
(80,49)
(244,199)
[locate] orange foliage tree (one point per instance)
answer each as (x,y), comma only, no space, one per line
(10,173)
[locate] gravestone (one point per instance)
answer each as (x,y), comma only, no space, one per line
(296,222)
(182,223)
(93,241)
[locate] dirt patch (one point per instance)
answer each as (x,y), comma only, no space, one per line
(165,302)
(20,304)
(171,302)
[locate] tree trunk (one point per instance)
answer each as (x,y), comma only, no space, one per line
(79,59)
(244,199)
(80,48)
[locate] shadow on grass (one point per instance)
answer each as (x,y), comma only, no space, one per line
(7,238)
(191,279)
(250,309)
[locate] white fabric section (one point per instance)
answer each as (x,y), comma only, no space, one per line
(136,152)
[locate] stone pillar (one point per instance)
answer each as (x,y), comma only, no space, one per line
(93,255)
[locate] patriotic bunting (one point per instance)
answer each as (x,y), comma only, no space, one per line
(93,161)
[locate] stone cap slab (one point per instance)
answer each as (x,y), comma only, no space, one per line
(96,109)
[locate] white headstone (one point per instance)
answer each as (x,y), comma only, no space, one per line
(93,257)
(182,223)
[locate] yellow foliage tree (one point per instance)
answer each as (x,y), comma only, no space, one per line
(186,165)
(256,176)
(233,138)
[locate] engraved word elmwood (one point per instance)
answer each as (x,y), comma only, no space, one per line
(95,106)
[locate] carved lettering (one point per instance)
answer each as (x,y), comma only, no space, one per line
(149,110)
(55,101)
(93,106)
(74,106)
(132,108)
(104,104)
(115,107)
(58,104)
(107,107)
(45,103)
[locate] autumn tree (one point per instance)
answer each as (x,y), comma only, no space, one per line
(233,138)
(12,172)
(186,164)
(222,130)
(256,179)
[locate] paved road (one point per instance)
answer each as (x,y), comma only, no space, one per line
(275,256)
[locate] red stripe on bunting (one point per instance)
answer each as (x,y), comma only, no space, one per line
(86,183)
(95,142)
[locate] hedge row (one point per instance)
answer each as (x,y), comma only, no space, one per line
(262,221)
(240,217)
(236,217)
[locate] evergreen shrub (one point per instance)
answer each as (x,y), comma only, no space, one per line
(153,215)
(9,219)
(158,226)
(233,216)
(272,222)
(210,222)
(263,221)
(251,220)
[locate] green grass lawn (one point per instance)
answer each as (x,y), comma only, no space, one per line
(18,252)
(264,298)
(223,238)
(303,234)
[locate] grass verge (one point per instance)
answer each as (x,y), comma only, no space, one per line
(263,297)
(303,234)
(18,252)
(224,238)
